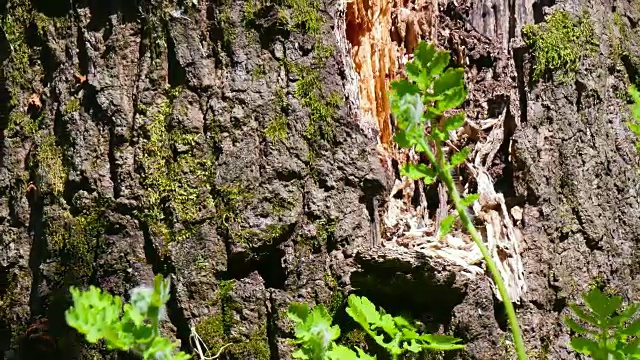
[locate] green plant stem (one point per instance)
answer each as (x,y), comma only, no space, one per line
(444,174)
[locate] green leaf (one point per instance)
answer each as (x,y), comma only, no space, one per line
(431,59)
(341,352)
(445,225)
(97,315)
(454,98)
(365,313)
(469,199)
(402,323)
(439,135)
(584,346)
(632,329)
(625,315)
(588,317)
(602,305)
(402,140)
(401,88)
(451,79)
(419,171)
(416,74)
(632,348)
(454,122)
(298,312)
(313,330)
(459,157)
(574,326)
(362,311)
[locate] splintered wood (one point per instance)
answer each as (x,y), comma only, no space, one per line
(382,35)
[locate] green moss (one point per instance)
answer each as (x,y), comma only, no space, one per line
(19,120)
(298,15)
(256,347)
(324,232)
(216,331)
(8,299)
(251,237)
(323,107)
(281,205)
(337,296)
(228,203)
(228,28)
(258,72)
(74,240)
(50,165)
(305,15)
(72,106)
(212,333)
(560,43)
(277,127)
(176,176)
(18,70)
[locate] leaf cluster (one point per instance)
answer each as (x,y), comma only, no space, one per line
(395,333)
(316,336)
(132,326)
(423,98)
(420,102)
(607,330)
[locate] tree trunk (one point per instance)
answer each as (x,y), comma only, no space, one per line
(244,149)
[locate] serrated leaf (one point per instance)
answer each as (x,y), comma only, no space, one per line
(439,135)
(632,348)
(419,171)
(584,346)
(402,323)
(413,346)
(632,329)
(400,88)
(445,225)
(454,98)
(440,339)
(299,354)
(388,325)
(625,315)
(298,312)
(443,347)
(574,326)
(340,352)
(402,140)
(453,122)
(451,79)
(600,304)
(459,157)
(362,311)
(583,315)
(416,74)
(469,199)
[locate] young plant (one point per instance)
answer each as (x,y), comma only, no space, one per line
(420,101)
(402,336)
(316,336)
(611,332)
(99,316)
